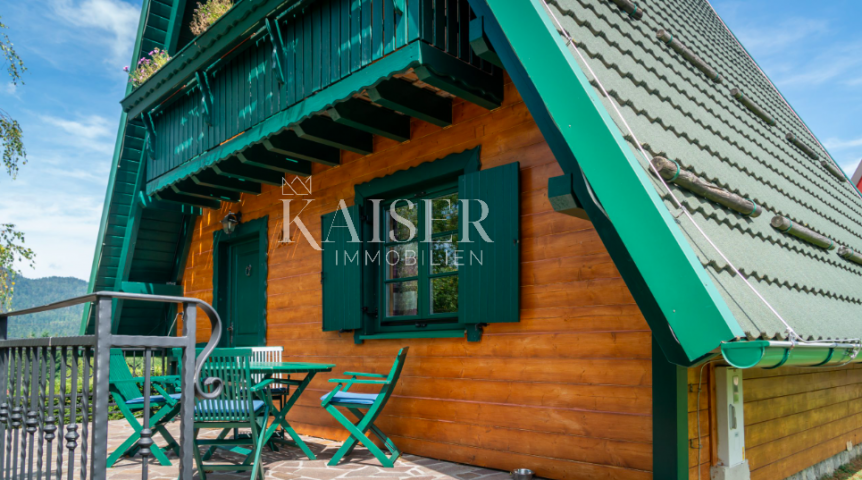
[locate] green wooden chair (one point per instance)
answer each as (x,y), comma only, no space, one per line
(236,407)
(126,391)
(372,403)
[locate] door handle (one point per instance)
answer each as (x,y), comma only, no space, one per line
(248,271)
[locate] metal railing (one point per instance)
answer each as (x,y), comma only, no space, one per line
(46,383)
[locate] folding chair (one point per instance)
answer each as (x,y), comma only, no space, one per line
(126,392)
(235,407)
(372,403)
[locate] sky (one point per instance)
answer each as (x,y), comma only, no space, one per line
(75,51)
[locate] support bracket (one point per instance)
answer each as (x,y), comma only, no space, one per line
(206,96)
(277,48)
(147,119)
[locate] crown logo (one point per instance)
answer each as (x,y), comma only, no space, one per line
(296,186)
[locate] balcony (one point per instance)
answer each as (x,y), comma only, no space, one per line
(275,86)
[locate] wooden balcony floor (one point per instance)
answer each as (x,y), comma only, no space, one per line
(289,463)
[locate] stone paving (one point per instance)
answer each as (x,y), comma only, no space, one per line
(289,463)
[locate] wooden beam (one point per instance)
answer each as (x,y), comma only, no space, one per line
(364,116)
(669,417)
(561,194)
(461,79)
(402,96)
(480,43)
(259,156)
(192,189)
(168,195)
(289,144)
(152,288)
(209,178)
(150,203)
(323,130)
(233,168)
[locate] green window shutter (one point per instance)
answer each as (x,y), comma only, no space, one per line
(489,292)
(341,275)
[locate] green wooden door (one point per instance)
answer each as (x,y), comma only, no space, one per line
(245,325)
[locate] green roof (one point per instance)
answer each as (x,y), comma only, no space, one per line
(676,111)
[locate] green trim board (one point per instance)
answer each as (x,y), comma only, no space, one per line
(696,313)
(250,230)
(635,281)
(410,56)
(125,166)
(669,418)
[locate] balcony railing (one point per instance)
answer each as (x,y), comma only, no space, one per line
(48,428)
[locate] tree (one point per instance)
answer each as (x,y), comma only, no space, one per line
(12,247)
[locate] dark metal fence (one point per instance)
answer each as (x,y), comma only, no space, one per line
(54,392)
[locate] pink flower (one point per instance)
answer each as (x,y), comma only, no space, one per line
(125,69)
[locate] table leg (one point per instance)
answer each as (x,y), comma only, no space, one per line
(280,418)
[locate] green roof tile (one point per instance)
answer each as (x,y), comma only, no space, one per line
(678,112)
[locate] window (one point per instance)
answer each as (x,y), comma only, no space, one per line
(419,269)
(411,275)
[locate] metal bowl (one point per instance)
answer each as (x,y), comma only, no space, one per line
(522,474)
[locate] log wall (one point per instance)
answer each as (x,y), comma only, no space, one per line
(566,391)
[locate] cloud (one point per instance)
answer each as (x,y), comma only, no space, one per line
(761,39)
(92,133)
(90,128)
(114,19)
(838,144)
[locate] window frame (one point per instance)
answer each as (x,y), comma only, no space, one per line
(424,276)
(435,176)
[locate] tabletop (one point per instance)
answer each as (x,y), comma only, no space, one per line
(290,367)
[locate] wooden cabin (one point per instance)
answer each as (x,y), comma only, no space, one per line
(670,283)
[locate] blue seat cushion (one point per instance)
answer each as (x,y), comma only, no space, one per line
(217,407)
(355,398)
(279,390)
(153,399)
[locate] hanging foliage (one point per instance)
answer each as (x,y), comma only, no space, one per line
(148,66)
(207,13)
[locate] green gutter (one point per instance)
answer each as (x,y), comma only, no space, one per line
(774,354)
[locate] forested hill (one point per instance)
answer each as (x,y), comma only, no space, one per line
(40,291)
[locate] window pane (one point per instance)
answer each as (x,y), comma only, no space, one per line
(402,298)
(402,260)
(444,212)
(401,231)
(444,257)
(444,294)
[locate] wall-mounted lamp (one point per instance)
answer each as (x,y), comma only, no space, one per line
(230,221)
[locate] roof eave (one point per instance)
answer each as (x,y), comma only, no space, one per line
(584,137)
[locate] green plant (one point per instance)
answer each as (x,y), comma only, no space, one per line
(207,13)
(147,67)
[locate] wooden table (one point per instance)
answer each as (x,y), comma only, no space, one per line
(270,369)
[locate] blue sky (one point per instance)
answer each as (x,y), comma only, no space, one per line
(75,51)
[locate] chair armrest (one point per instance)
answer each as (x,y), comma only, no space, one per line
(360,374)
(262,385)
(358,382)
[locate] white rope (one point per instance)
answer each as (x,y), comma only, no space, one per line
(570,43)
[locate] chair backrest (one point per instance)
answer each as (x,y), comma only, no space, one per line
(119,370)
(235,402)
(394,374)
(265,354)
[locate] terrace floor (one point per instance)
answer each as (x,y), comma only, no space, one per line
(289,463)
